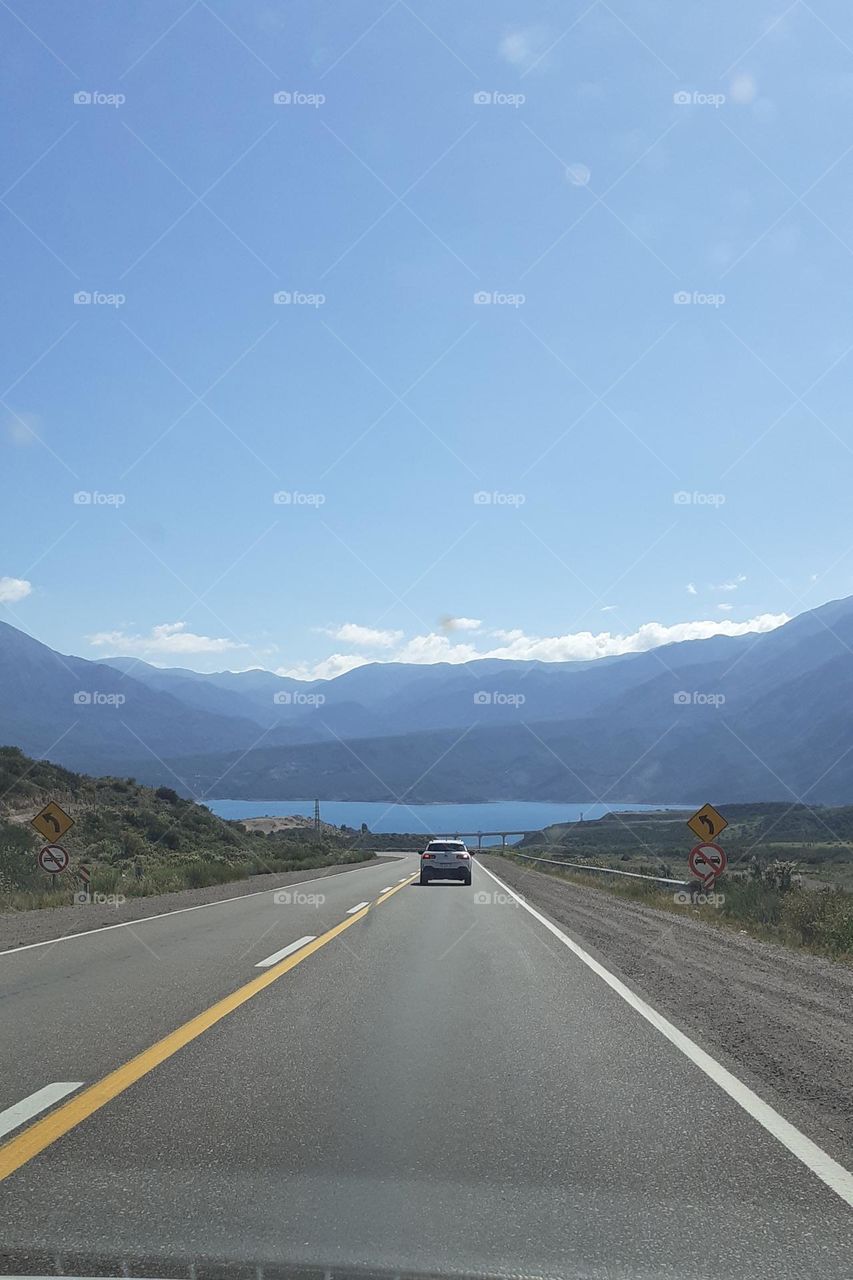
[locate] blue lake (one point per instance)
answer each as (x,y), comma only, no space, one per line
(429,819)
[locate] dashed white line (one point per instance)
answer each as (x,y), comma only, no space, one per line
(285,951)
(830,1172)
(357,907)
(36,1102)
(162,915)
(387,889)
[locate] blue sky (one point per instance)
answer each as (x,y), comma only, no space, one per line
(579,464)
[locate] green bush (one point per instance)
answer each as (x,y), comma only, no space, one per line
(200,874)
(106,880)
(750,900)
(822,919)
(18,866)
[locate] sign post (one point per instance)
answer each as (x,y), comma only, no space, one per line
(707,861)
(51,823)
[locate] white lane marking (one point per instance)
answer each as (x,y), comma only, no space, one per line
(285,951)
(179,911)
(833,1174)
(357,907)
(387,889)
(36,1102)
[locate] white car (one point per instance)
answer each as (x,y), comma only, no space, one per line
(446,860)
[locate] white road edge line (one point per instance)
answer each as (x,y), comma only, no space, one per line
(285,951)
(357,907)
(24,1110)
(830,1172)
(179,911)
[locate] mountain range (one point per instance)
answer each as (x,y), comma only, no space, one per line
(755,717)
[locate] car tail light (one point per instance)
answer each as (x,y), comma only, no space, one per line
(462,855)
(427,855)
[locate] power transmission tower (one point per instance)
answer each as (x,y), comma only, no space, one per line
(316,815)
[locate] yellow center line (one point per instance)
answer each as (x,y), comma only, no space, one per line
(46,1131)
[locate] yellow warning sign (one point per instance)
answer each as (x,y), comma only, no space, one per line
(52,822)
(707,823)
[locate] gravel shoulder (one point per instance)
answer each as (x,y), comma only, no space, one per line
(18,928)
(780,1020)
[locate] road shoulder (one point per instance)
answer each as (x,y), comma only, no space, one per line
(23,928)
(778,1019)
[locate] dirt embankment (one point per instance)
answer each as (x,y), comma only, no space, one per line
(780,1020)
(291,822)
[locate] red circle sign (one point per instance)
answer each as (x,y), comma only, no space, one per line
(707,862)
(53,859)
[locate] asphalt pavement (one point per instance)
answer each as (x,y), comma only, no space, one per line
(376,1075)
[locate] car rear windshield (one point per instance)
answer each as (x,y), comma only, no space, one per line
(445,846)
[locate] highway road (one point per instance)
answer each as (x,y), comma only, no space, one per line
(392,1077)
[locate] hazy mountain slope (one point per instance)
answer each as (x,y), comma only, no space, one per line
(766,717)
(758,716)
(70,710)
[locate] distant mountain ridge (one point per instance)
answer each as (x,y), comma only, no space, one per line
(761,716)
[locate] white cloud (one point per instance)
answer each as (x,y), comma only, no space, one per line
(583,645)
(330,667)
(166,638)
(743,90)
(460,624)
(608,608)
(691,589)
(725,607)
(578,174)
(352,633)
(523,46)
(435,648)
(732,585)
(14,589)
(21,428)
(571,647)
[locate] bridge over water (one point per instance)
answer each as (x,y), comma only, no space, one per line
(481,835)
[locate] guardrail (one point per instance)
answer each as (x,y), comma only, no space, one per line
(610,871)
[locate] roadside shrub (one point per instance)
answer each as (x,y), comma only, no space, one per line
(18,866)
(132,846)
(780,875)
(751,899)
(158,879)
(821,918)
(200,874)
(106,880)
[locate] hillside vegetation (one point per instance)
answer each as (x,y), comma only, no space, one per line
(818,838)
(138,840)
(788,880)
